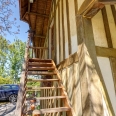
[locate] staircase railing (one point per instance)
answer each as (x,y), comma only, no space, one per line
(38,52)
(18,111)
(30,52)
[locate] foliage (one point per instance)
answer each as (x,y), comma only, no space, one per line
(5,80)
(33,84)
(16,58)
(3,54)
(11,58)
(6,13)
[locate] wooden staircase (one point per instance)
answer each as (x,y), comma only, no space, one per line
(53,98)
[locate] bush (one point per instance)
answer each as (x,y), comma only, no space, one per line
(5,80)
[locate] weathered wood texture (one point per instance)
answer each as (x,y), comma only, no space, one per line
(36,14)
(90,75)
(111,51)
(67,62)
(105,52)
(90,8)
(21,92)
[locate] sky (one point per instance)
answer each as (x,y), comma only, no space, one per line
(23,26)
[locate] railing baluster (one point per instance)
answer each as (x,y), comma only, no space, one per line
(40,54)
(32,52)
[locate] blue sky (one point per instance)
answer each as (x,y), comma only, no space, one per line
(23,26)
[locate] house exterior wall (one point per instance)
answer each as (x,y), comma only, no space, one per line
(64,14)
(100,39)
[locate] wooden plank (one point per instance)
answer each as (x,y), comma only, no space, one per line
(40,68)
(39,60)
(50,110)
(39,88)
(38,48)
(43,80)
(90,8)
(69,61)
(40,64)
(63,30)
(45,98)
(105,52)
(38,14)
(107,1)
(41,73)
(113,12)
(107,28)
(59,32)
(55,31)
(40,36)
(68,26)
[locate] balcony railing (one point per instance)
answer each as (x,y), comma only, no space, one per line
(38,52)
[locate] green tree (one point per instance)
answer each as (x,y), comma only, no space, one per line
(11,58)
(3,55)
(15,59)
(5,80)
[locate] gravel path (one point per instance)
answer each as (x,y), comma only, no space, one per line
(7,109)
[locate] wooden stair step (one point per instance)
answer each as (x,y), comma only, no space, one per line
(44,98)
(41,73)
(51,110)
(42,80)
(39,88)
(40,68)
(40,64)
(40,60)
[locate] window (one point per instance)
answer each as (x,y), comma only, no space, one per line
(15,87)
(6,87)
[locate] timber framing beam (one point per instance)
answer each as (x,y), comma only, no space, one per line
(40,36)
(90,8)
(38,14)
(105,52)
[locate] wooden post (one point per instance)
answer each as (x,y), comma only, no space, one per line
(89,70)
(63,30)
(109,40)
(68,26)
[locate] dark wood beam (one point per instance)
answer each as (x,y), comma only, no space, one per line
(68,26)
(107,1)
(105,52)
(24,7)
(89,8)
(40,36)
(38,14)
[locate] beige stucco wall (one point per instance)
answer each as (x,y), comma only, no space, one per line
(105,67)
(98,30)
(101,40)
(111,25)
(61,33)
(65,29)
(73,30)
(71,82)
(57,36)
(80,2)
